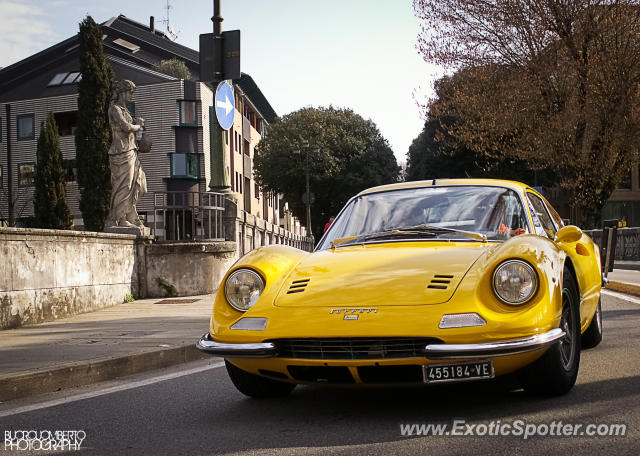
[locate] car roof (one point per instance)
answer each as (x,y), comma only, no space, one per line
(447,182)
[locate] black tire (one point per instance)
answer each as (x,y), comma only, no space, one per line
(555,372)
(593,335)
(256,386)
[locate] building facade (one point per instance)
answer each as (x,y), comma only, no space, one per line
(176,113)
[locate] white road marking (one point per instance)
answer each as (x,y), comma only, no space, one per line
(114,389)
(622,296)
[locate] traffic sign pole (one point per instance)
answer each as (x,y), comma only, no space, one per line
(220,180)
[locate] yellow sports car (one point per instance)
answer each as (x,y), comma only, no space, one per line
(420,282)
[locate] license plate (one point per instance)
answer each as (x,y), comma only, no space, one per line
(460,372)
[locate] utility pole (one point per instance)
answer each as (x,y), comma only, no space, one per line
(307,197)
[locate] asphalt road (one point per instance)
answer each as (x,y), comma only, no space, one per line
(202,413)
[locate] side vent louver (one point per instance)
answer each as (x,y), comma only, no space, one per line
(440,282)
(298,286)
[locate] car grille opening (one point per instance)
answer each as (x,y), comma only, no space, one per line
(274,374)
(321,374)
(391,374)
(353,347)
(298,286)
(440,282)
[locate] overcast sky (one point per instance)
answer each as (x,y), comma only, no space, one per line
(358,54)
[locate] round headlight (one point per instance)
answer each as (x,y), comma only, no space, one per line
(243,288)
(515,282)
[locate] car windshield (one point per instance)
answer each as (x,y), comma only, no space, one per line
(444,213)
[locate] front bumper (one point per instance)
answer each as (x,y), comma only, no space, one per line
(510,347)
(431,351)
(254,350)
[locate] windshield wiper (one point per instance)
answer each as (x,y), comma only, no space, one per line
(432,229)
(378,235)
(422,230)
(396,232)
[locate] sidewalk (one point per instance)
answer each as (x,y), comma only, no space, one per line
(624,281)
(97,346)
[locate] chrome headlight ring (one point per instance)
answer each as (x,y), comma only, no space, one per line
(514,282)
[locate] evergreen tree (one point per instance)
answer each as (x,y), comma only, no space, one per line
(50,208)
(93,135)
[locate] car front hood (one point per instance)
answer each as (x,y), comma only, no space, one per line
(364,276)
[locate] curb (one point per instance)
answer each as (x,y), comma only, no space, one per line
(22,385)
(624,287)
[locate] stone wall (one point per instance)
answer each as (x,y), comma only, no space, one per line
(184,269)
(49,274)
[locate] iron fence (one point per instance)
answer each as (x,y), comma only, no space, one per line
(628,243)
(188,216)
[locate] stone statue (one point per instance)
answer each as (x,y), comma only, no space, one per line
(128,181)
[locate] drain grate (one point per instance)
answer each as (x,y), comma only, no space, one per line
(177,301)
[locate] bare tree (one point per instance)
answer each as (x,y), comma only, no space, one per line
(552,82)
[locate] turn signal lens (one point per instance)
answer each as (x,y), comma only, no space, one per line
(250,324)
(463,320)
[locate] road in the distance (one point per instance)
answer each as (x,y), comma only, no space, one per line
(202,413)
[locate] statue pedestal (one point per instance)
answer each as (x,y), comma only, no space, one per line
(141,232)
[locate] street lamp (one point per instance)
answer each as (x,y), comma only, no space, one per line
(307,197)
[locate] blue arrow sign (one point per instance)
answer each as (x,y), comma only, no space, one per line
(225,104)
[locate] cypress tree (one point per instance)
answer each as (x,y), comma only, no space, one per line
(50,208)
(93,135)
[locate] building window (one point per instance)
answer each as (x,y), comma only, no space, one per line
(188,113)
(127,45)
(65,78)
(66,122)
(71,170)
(25,124)
(257,191)
(26,174)
(625,183)
(185,166)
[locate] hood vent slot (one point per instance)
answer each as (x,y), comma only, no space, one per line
(298,286)
(440,282)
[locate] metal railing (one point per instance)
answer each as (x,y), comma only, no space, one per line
(188,216)
(628,243)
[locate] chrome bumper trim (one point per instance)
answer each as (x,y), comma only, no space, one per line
(510,347)
(257,350)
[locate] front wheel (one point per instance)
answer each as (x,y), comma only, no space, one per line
(555,372)
(256,386)
(593,335)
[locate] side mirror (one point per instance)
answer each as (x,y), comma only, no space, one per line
(569,233)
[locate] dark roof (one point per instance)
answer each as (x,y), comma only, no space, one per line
(29,77)
(156,38)
(251,90)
